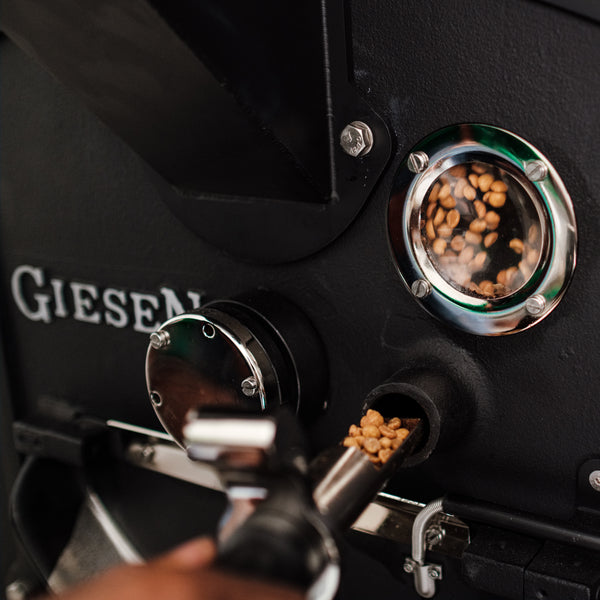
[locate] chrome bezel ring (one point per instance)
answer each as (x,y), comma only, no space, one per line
(542,292)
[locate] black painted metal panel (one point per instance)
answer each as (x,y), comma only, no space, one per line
(76,202)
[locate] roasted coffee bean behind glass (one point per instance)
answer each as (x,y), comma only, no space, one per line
(474,224)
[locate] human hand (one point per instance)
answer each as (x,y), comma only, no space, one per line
(182,574)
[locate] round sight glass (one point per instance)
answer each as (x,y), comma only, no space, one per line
(481,230)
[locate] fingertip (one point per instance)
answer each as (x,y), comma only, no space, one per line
(194,554)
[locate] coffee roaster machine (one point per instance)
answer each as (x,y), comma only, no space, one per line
(229,230)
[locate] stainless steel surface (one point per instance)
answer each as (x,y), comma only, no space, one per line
(356,139)
(212,361)
(421,288)
(231,432)
(159,339)
(425,575)
(594,480)
(459,145)
(17,590)
(249,386)
(417,161)
(391,517)
(171,460)
(388,516)
(152,434)
(536,170)
(96,544)
(535,305)
(242,445)
(346,480)
(351,472)
(326,586)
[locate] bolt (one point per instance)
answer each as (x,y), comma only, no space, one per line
(536,170)
(356,139)
(434,535)
(417,161)
(434,573)
(409,567)
(160,339)
(421,288)
(595,480)
(156,399)
(17,590)
(535,305)
(208,331)
(147,453)
(249,386)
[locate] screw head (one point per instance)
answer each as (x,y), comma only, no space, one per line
(536,170)
(160,339)
(434,573)
(535,305)
(356,139)
(594,480)
(147,453)
(421,288)
(249,386)
(409,567)
(417,161)
(156,399)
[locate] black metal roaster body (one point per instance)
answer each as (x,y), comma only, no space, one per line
(250,354)
(415,186)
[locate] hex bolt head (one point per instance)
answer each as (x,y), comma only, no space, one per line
(249,386)
(594,480)
(156,399)
(535,305)
(421,288)
(160,339)
(417,161)
(356,139)
(536,170)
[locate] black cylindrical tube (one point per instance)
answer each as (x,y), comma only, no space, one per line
(520,522)
(430,396)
